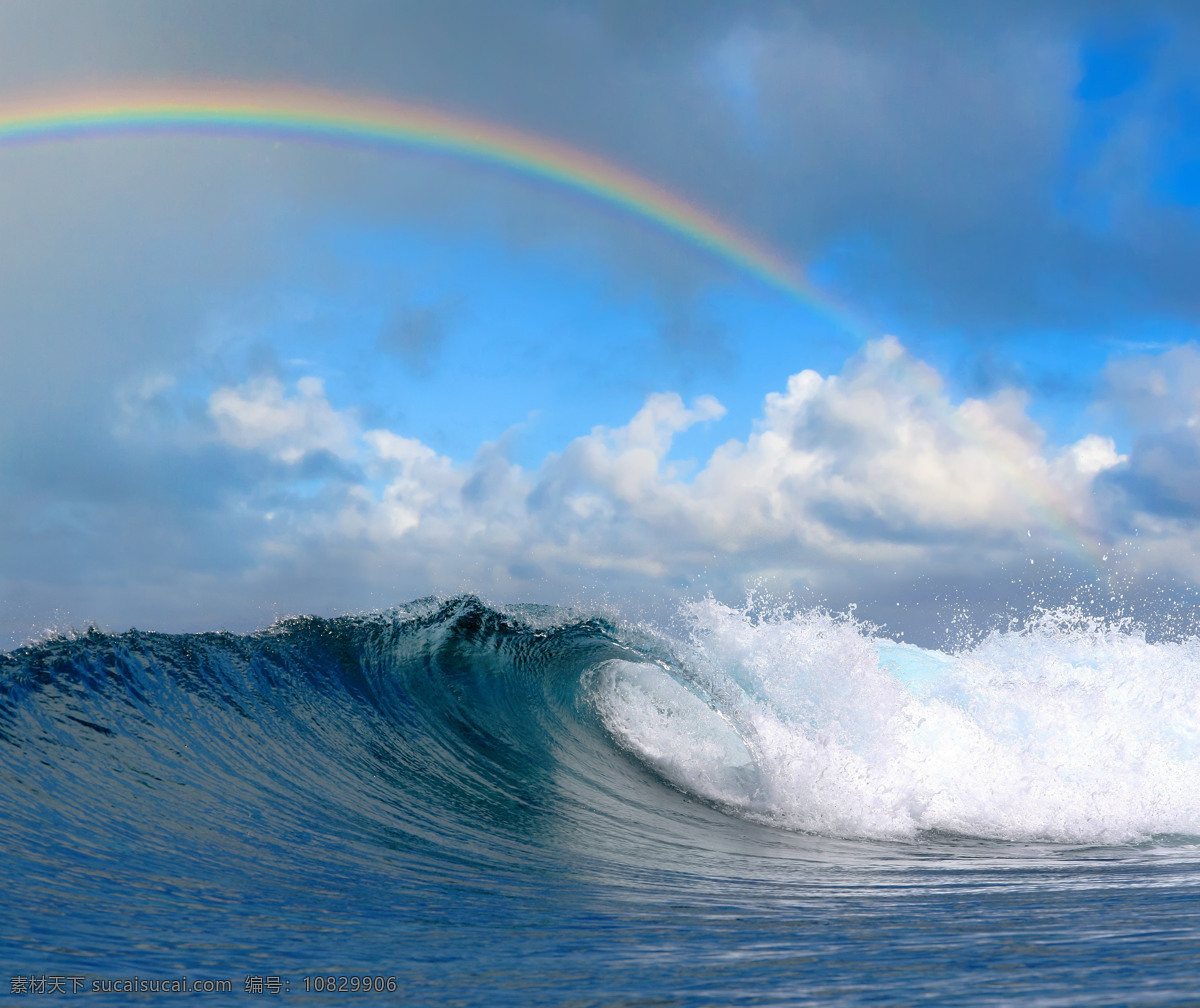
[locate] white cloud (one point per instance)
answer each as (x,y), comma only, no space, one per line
(877,452)
(873,465)
(868,484)
(879,455)
(259,416)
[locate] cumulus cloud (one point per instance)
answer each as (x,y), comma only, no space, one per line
(874,464)
(259,416)
(858,483)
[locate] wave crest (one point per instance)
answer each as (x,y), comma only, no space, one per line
(1065,730)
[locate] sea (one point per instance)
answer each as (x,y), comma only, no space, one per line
(454,802)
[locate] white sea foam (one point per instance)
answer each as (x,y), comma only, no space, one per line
(1065,731)
(675,731)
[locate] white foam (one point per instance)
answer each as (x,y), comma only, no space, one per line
(1076,733)
(676,732)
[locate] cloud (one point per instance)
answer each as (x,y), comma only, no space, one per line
(259,416)
(1158,398)
(875,465)
(868,484)
(923,154)
(415,334)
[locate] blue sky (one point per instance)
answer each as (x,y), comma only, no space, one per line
(246,378)
(459,338)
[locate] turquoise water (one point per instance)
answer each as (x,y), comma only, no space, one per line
(536,806)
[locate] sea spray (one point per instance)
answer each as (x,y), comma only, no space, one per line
(1065,729)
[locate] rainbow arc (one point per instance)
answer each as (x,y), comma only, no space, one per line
(295,114)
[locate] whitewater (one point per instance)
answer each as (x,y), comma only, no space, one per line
(543,806)
(1060,732)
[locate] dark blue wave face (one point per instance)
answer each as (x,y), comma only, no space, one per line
(538,806)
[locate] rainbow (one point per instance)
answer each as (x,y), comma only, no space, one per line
(317,116)
(295,114)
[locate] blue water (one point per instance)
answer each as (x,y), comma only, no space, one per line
(533,806)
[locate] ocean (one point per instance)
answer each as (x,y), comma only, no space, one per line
(458,803)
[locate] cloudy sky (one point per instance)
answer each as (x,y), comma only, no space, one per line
(243,376)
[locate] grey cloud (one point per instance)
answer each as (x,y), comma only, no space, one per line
(913,148)
(1156,391)
(105,273)
(1162,476)
(415,333)
(1158,397)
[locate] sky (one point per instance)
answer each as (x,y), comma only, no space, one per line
(250,375)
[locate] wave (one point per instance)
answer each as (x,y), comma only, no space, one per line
(1067,729)
(465,733)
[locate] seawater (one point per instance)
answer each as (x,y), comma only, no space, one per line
(541,806)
